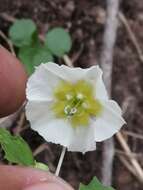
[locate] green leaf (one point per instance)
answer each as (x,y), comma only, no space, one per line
(23,32)
(94,185)
(16,149)
(34,56)
(41,166)
(58,41)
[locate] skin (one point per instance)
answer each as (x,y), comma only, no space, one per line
(24,178)
(12,95)
(13,80)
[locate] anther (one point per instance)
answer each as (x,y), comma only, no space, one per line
(73,111)
(80,96)
(69,96)
(85,105)
(67,110)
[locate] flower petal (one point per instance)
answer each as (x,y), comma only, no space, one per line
(94,74)
(40,93)
(37,111)
(43,121)
(59,131)
(109,122)
(66,73)
(83,140)
(40,85)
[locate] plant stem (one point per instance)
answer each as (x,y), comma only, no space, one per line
(67,60)
(60,161)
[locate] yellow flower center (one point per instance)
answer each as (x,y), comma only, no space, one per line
(76,102)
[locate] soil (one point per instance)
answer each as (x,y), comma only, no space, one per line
(85,21)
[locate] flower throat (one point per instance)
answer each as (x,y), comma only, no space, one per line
(76,102)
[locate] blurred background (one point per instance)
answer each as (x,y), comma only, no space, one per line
(85,20)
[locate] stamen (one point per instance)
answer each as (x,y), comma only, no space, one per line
(76,102)
(70,111)
(67,109)
(79,96)
(73,111)
(69,96)
(85,105)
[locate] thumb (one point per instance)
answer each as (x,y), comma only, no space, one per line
(12,83)
(45,186)
(27,178)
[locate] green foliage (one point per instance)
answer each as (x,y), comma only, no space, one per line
(41,166)
(32,56)
(16,149)
(23,32)
(94,185)
(58,41)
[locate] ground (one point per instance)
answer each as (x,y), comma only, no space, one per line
(85,21)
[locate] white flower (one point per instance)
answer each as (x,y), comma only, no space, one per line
(70,106)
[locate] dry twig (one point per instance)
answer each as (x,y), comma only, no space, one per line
(42,148)
(122,153)
(67,60)
(134,162)
(20,124)
(128,165)
(7,17)
(7,122)
(77,55)
(131,35)
(106,61)
(132,134)
(8,41)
